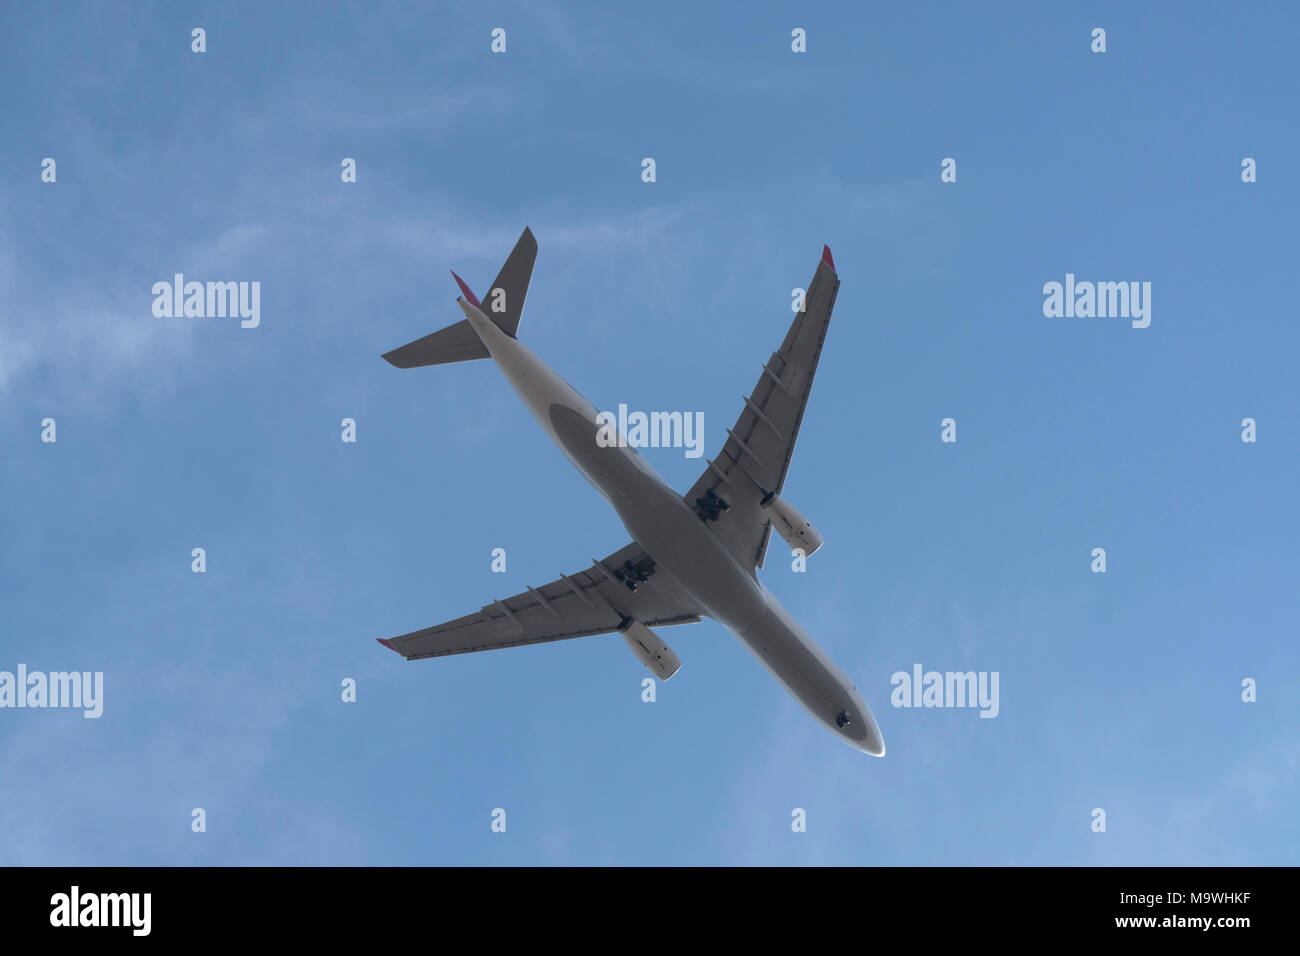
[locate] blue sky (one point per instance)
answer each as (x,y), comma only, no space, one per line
(222,690)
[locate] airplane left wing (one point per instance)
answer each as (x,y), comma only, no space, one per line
(597,600)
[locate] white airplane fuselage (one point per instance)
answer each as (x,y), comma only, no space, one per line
(681,545)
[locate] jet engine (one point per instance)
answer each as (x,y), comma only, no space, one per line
(650,648)
(791,525)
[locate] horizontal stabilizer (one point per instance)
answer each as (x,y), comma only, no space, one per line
(455,343)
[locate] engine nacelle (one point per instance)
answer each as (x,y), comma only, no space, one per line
(793,526)
(650,649)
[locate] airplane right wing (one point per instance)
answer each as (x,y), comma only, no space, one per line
(595,601)
(756,455)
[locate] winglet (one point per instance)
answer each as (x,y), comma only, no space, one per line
(470,296)
(388,644)
(826,258)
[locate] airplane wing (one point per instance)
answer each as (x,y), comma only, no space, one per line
(595,601)
(756,455)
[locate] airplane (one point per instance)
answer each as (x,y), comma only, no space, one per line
(691,555)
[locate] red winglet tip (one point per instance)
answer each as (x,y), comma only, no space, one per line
(826,256)
(387,643)
(470,296)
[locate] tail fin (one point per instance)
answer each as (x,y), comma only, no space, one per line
(504,305)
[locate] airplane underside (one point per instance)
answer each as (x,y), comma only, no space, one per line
(691,555)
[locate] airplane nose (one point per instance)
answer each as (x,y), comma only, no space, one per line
(859,727)
(872,742)
(874,745)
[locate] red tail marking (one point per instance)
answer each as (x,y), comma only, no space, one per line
(470,296)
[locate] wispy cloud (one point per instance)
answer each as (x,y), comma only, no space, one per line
(76,342)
